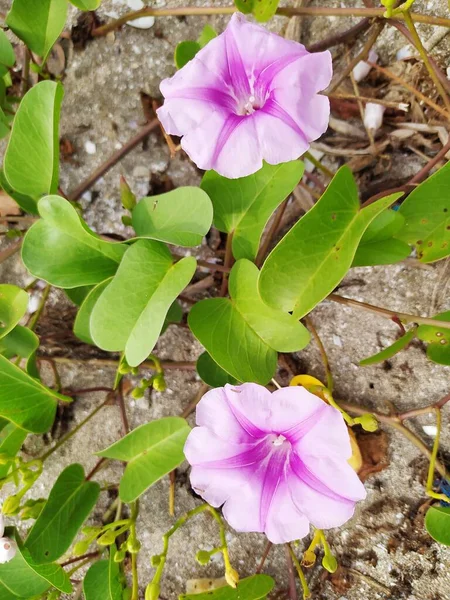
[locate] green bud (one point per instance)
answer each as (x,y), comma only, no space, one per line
(133,545)
(329,563)
(232,577)
(152,591)
(126,220)
(155,560)
(309,558)
(32,509)
(159,383)
(90,530)
(203,557)
(11,505)
(126,195)
(134,370)
(108,538)
(119,556)
(137,393)
(368,422)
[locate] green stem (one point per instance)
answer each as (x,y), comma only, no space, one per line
(433,458)
(318,165)
(423,53)
(301,575)
(134,572)
(37,315)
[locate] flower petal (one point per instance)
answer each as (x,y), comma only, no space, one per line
(310,114)
(214,412)
(203,446)
(294,407)
(284,521)
(216,488)
(252,406)
(311,73)
(327,436)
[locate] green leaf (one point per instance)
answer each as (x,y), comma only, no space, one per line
(243,206)
(31,162)
(182,217)
(317,252)
(242,334)
(437,523)
(7,55)
(251,588)
(151,451)
(207,34)
(23,577)
(78,295)
(263,10)
(81,327)
(245,6)
(102,581)
(391,350)
(38,23)
(184,52)
(438,340)
(25,401)
(21,342)
(26,203)
(378,245)
(11,440)
(70,501)
(13,306)
(61,249)
(174,315)
(86,4)
(211,373)
(427,217)
(133,321)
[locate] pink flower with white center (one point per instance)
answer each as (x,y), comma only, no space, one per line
(277,462)
(8,548)
(249,95)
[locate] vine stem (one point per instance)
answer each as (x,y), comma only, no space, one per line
(134,572)
(323,352)
(390,314)
(37,315)
(312,11)
(111,362)
(301,575)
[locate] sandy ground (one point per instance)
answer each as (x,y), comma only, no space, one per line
(385,547)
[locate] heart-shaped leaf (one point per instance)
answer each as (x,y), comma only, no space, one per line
(211,373)
(438,340)
(151,451)
(11,440)
(243,334)
(61,249)
(31,161)
(243,206)
(427,217)
(38,23)
(81,327)
(317,252)
(132,322)
(7,55)
(437,523)
(391,350)
(21,342)
(86,4)
(182,217)
(70,501)
(13,306)
(184,52)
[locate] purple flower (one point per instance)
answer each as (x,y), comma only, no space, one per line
(276,461)
(249,95)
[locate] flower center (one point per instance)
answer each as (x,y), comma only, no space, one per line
(279,440)
(6,546)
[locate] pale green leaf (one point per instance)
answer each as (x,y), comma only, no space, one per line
(251,588)
(184,52)
(31,161)
(208,33)
(182,216)
(314,256)
(70,501)
(81,327)
(38,23)
(437,523)
(211,373)
(27,203)
(11,440)
(151,451)
(25,401)
(242,334)
(7,55)
(438,340)
(102,581)
(427,217)
(243,206)
(130,313)
(86,4)
(13,306)
(21,342)
(378,245)
(61,249)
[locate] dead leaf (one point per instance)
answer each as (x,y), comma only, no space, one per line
(374,451)
(8,206)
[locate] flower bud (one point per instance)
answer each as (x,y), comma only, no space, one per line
(11,505)
(133,545)
(108,538)
(368,422)
(203,557)
(8,550)
(126,195)
(309,558)
(119,556)
(155,560)
(126,220)
(232,577)
(159,383)
(81,548)
(152,591)
(329,562)
(137,393)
